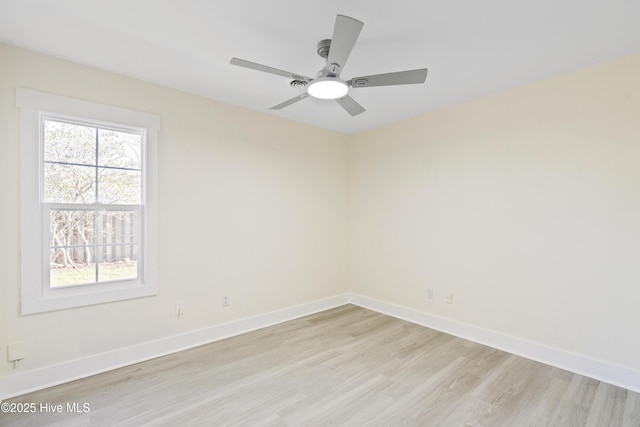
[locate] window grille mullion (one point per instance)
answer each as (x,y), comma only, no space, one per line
(96,166)
(53,162)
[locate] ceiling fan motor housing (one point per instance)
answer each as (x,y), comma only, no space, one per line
(323,48)
(331,70)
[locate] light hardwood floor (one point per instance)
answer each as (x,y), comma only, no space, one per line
(346,367)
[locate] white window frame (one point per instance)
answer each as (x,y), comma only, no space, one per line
(36,294)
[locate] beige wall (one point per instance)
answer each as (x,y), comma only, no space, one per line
(250,205)
(525,205)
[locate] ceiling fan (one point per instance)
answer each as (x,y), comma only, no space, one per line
(328,84)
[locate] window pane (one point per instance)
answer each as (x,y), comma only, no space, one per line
(69,184)
(71,228)
(117,186)
(118,250)
(79,272)
(69,143)
(119,149)
(116,270)
(119,228)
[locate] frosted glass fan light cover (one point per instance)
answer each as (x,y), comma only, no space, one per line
(328,88)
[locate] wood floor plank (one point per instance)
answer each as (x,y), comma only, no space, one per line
(631,413)
(608,406)
(348,367)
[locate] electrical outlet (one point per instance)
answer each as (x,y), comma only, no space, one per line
(448,299)
(16,351)
(225,300)
(430,293)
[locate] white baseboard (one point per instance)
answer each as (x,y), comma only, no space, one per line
(37,379)
(572,362)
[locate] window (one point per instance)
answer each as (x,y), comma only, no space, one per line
(88,228)
(92,198)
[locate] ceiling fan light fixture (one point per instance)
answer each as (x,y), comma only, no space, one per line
(328,85)
(328,88)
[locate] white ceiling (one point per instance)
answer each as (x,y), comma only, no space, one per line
(471,47)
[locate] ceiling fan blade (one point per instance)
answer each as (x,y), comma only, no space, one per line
(345,34)
(289,102)
(259,67)
(350,105)
(389,79)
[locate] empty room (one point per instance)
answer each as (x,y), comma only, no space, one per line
(352,213)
